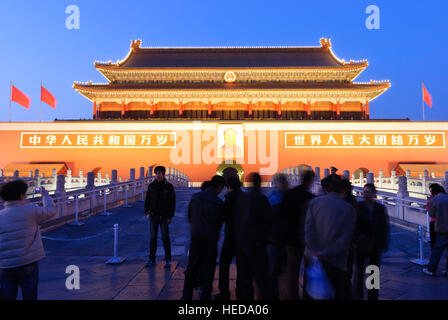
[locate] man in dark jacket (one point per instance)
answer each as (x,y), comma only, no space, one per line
(371,238)
(252,227)
(160,205)
(228,249)
(296,205)
(206,216)
(438,209)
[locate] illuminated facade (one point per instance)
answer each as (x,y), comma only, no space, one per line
(256,104)
(271,83)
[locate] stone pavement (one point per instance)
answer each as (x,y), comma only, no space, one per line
(131,280)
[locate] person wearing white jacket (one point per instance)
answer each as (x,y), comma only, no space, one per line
(20,241)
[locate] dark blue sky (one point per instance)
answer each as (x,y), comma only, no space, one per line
(411,45)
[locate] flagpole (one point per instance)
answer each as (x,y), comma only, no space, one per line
(423,102)
(10,100)
(40,112)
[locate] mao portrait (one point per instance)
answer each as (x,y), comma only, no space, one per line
(230,141)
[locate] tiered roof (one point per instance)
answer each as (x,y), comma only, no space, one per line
(145,72)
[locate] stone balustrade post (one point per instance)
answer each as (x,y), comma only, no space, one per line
(16,174)
(60,185)
(317,174)
(81,179)
(37,177)
(370,177)
(402,195)
(90,180)
(393,180)
(380,178)
(141,173)
(424,181)
(361,178)
(99,176)
(150,171)
(132,174)
(408,174)
(68,179)
(402,187)
(326,172)
(30,175)
(132,189)
(107,178)
(346,175)
(61,192)
(114,176)
(53,179)
(91,187)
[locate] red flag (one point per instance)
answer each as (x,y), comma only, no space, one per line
(47,97)
(427,96)
(19,97)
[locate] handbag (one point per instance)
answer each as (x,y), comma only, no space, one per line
(318,286)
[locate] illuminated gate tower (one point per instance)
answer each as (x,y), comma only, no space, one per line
(259,83)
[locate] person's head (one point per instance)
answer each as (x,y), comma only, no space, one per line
(254,180)
(230,136)
(436,189)
(334,184)
(14,190)
(307,178)
(280,182)
(333,170)
(159,172)
(233,183)
(369,192)
(347,187)
(218,183)
(205,185)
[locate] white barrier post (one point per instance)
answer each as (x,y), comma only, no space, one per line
(115,259)
(76,223)
(126,205)
(421,261)
(105,212)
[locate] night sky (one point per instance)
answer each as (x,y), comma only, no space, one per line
(410,46)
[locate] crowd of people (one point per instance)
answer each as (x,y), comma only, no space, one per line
(271,236)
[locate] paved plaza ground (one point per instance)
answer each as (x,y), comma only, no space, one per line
(400,279)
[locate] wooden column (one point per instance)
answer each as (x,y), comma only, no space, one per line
(338,109)
(122,109)
(249,107)
(151,108)
(367,110)
(180,108)
(308,108)
(209,108)
(94,110)
(279,108)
